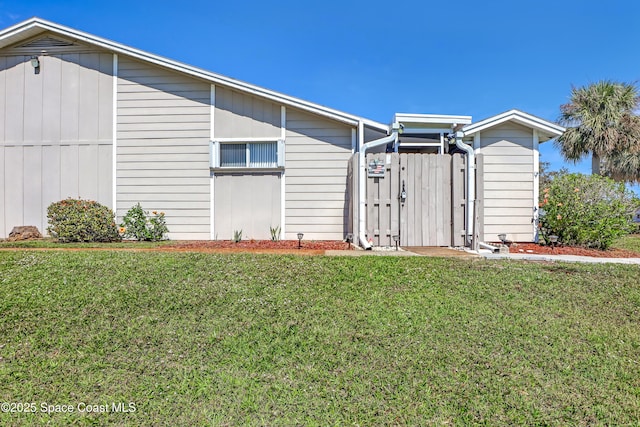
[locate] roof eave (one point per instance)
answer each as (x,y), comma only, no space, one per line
(547,129)
(26,29)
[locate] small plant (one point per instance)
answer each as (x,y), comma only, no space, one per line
(77,220)
(237,236)
(137,224)
(275,233)
(585,210)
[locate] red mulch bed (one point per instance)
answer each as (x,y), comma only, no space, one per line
(533,248)
(249,245)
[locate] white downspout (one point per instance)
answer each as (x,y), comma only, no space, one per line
(471,184)
(362,156)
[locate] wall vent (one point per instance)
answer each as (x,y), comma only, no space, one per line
(46,43)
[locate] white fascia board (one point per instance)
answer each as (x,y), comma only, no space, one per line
(419,144)
(431,119)
(549,129)
(36,25)
(407,131)
(21,31)
(375,125)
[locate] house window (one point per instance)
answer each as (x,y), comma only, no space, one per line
(259,155)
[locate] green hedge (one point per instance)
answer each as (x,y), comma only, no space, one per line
(585,210)
(76,220)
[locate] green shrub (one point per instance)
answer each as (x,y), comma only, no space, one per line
(73,220)
(137,224)
(275,233)
(585,210)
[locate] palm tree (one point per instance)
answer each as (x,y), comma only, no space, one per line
(600,122)
(624,166)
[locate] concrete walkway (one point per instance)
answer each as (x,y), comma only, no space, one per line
(563,258)
(359,252)
(454,253)
(408,251)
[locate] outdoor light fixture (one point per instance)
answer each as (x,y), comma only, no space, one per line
(35,63)
(349,239)
(553,239)
(503,238)
(403,194)
(300,236)
(396,238)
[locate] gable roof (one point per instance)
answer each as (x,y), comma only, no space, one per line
(36,26)
(546,130)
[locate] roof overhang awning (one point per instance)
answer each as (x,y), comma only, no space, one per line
(424,124)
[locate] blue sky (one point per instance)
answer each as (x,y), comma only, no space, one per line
(374,58)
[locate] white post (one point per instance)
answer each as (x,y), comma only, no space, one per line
(114,137)
(212,116)
(536,182)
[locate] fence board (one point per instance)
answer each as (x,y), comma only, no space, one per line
(394,202)
(404,176)
(479,219)
(457,199)
(384,205)
(433,214)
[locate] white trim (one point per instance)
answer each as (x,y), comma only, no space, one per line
(431,118)
(212,178)
(360,135)
(283,134)
(551,130)
(283,122)
(114,136)
(536,182)
(212,112)
(438,145)
(354,140)
(212,212)
(34,26)
(477,146)
(407,131)
(441,143)
(243,140)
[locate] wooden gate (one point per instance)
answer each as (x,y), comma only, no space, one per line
(419,197)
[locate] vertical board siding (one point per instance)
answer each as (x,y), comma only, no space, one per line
(254,215)
(507,189)
(14,188)
(433,214)
(317,154)
(32,186)
(239,115)
(164,129)
(56,133)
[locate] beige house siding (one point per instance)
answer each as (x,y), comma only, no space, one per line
(238,115)
(163,130)
(55,131)
(317,153)
(254,212)
(508,182)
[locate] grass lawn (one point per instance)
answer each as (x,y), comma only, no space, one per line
(52,243)
(630,242)
(207,339)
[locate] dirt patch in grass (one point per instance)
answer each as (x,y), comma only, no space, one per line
(533,248)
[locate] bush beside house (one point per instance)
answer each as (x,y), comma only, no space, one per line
(138,224)
(77,220)
(585,210)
